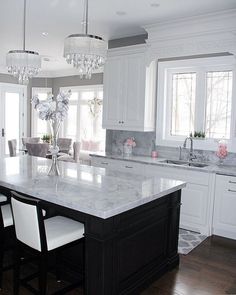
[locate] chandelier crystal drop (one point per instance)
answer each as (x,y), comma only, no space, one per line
(23,64)
(85,52)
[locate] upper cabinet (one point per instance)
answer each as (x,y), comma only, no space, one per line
(129,90)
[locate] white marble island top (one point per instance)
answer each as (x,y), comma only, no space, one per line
(96,191)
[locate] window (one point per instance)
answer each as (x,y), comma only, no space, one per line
(183,102)
(195,95)
(84,120)
(39,127)
(219,104)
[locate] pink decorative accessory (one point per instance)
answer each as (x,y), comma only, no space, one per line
(130,142)
(154,154)
(222,151)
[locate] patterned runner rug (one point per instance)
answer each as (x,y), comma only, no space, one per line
(188,240)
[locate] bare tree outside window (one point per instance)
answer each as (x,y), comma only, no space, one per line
(218,106)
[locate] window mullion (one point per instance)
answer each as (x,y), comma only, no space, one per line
(200,107)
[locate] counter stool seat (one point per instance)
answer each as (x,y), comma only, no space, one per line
(61,231)
(42,236)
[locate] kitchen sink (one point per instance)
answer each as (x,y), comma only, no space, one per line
(175,162)
(199,165)
(184,163)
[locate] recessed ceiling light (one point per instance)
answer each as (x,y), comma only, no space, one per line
(154,4)
(121,13)
(45,34)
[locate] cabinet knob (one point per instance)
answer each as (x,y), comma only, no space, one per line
(119,122)
(122,122)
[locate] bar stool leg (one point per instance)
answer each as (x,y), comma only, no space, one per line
(43,274)
(58,266)
(1,259)
(16,270)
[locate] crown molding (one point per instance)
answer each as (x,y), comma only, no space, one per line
(205,34)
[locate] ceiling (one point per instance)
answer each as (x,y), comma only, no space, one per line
(109,19)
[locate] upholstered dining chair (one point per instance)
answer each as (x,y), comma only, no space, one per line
(12,147)
(75,157)
(30,140)
(64,144)
(37,149)
(42,236)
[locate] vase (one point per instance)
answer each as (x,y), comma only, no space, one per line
(221,161)
(128,149)
(54,149)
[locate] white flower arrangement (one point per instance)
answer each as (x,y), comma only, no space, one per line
(54,109)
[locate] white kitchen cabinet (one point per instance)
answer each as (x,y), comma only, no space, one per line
(195,196)
(129,90)
(118,165)
(224,218)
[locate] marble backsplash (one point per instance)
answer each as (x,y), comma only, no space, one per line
(145,142)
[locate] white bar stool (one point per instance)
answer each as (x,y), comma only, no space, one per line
(42,236)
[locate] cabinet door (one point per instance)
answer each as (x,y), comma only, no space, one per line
(113,93)
(224,220)
(134,92)
(194,207)
(194,197)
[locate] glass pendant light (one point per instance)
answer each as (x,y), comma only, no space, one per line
(85,52)
(23,64)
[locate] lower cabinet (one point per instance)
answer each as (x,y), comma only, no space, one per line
(195,197)
(224,218)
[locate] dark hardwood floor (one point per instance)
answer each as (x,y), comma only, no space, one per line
(208,269)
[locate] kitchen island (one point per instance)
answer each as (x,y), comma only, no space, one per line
(131,221)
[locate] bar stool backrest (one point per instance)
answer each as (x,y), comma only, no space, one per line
(76,148)
(28,220)
(12,147)
(37,149)
(30,140)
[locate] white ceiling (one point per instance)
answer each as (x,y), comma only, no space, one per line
(60,18)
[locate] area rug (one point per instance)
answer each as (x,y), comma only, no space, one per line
(188,240)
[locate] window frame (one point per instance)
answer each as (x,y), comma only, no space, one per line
(78,103)
(164,98)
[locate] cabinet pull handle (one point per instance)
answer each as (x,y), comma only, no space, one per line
(231,190)
(130,167)
(104,163)
(232,181)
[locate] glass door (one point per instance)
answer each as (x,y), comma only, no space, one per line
(12,116)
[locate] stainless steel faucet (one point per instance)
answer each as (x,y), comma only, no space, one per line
(191,152)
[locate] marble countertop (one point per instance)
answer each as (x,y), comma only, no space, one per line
(210,168)
(96,191)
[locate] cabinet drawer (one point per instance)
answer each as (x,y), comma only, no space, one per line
(119,165)
(189,176)
(103,162)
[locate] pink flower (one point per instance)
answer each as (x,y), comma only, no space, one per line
(130,142)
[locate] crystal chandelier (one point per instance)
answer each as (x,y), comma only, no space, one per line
(85,52)
(23,64)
